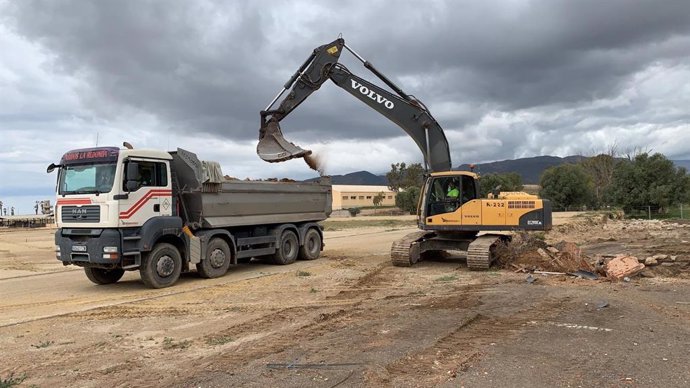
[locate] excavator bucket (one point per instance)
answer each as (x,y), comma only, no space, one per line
(274,148)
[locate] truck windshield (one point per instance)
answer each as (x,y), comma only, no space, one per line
(87,179)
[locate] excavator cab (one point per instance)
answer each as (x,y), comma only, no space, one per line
(447,193)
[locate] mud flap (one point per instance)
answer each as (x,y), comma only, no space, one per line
(194,250)
(274,148)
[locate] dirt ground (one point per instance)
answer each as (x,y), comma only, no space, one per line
(352,319)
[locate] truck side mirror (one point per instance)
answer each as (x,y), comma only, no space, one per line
(132,185)
(132,176)
(52,167)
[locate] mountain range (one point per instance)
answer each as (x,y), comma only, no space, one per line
(529,168)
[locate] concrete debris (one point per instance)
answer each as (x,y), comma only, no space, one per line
(650,261)
(543,253)
(622,267)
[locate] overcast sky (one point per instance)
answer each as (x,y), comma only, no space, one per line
(505,79)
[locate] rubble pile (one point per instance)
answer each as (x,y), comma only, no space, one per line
(621,266)
(527,253)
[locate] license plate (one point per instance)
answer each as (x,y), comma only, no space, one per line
(79,248)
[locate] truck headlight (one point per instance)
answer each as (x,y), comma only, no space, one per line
(57,252)
(110,253)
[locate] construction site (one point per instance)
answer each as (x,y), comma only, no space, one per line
(351,318)
(155,267)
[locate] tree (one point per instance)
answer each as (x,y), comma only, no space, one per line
(407,199)
(649,181)
(510,181)
(567,185)
(402,176)
(407,181)
(601,168)
(378,198)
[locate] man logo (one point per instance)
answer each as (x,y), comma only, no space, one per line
(78,213)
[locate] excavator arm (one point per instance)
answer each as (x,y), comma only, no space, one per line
(402,109)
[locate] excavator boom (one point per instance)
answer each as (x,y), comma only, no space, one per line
(404,110)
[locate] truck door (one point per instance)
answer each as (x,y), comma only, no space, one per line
(152,198)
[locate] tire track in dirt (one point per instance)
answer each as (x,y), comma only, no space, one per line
(453,353)
(279,331)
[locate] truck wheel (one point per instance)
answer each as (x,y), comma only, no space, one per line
(288,248)
(217,260)
(312,245)
(104,276)
(161,267)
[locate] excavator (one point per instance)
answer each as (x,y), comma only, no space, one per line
(451,214)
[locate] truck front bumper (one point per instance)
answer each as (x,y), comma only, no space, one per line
(88,247)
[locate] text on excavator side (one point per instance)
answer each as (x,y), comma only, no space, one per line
(372,94)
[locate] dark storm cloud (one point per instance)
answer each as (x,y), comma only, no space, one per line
(211,66)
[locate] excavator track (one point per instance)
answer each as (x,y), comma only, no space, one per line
(401,250)
(479,252)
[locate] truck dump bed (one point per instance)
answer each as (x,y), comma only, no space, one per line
(210,201)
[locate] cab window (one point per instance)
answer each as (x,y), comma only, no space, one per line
(447,194)
(152,174)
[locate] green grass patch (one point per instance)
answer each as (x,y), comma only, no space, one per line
(43,344)
(303,273)
(169,343)
(219,340)
(11,381)
(447,278)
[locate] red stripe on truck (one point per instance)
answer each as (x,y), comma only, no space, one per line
(151,194)
(73,201)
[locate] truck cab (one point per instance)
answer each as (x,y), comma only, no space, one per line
(105,195)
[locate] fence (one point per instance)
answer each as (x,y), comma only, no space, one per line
(650,212)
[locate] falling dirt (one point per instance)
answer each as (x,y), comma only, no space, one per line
(316,163)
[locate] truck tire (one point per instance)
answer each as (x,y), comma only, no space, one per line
(288,248)
(216,261)
(312,245)
(161,267)
(104,276)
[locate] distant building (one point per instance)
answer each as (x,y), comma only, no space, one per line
(347,196)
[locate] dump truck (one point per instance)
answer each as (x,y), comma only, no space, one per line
(165,213)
